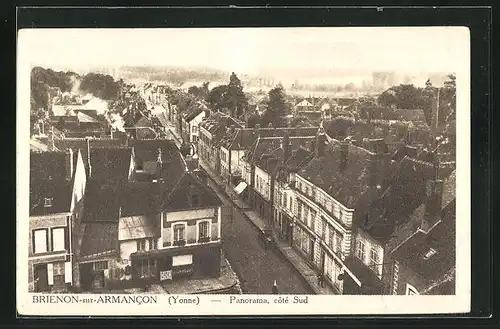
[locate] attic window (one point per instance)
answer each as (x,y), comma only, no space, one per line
(48,202)
(430,253)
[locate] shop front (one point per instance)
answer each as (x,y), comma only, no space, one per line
(176,263)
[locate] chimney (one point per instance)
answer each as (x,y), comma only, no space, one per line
(320,145)
(88,156)
(344,154)
(379,162)
(69,164)
(159,165)
(286,146)
(434,199)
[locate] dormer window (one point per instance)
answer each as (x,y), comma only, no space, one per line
(48,202)
(430,253)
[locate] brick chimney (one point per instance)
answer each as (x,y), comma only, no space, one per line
(320,145)
(69,164)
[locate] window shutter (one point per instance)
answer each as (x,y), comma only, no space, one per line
(50,274)
(68,274)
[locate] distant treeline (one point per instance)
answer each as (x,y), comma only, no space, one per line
(176,76)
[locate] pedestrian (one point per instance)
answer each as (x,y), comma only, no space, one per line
(275,288)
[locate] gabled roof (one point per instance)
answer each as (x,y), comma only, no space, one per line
(143,122)
(194,109)
(99,238)
(190,193)
(441,239)
(136,227)
(140,199)
(48,172)
(82,117)
(304,103)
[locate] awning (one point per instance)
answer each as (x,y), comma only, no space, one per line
(240,188)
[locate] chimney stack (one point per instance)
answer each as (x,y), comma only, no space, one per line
(159,164)
(88,156)
(286,146)
(69,164)
(379,162)
(320,145)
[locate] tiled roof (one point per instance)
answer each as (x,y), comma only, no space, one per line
(405,193)
(441,239)
(110,165)
(102,203)
(48,172)
(370,283)
(246,137)
(194,109)
(181,196)
(99,238)
(143,122)
(136,227)
(347,185)
(139,199)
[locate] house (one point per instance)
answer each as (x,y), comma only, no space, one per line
(57,186)
(293,159)
(267,158)
(235,159)
(161,224)
(211,132)
(191,119)
(424,249)
(377,226)
(110,171)
(144,128)
(331,190)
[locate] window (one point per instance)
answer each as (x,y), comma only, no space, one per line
(58,239)
(100,266)
(340,214)
(285,201)
(299,210)
(410,290)
(194,129)
(374,257)
(58,273)
(331,237)
(141,245)
(40,241)
(48,202)
(291,204)
(153,244)
(195,138)
(179,234)
(338,243)
(203,231)
(323,228)
(360,250)
(147,268)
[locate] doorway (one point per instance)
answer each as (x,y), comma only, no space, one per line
(41,278)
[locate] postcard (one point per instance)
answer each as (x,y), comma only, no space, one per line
(243,171)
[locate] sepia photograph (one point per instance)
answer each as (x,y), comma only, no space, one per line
(166,166)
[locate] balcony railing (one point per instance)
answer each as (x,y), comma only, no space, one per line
(204,239)
(179,242)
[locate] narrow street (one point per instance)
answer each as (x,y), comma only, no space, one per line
(256,266)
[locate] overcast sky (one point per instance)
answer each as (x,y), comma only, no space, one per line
(252,50)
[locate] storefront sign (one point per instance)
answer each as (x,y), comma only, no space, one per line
(183,271)
(165,275)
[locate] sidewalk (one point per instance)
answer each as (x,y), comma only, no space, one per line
(309,275)
(227,283)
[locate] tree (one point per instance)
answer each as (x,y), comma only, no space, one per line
(276,108)
(235,98)
(200,92)
(216,97)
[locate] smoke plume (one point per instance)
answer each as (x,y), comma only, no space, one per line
(116,122)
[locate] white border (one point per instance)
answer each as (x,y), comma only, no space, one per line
(326,305)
